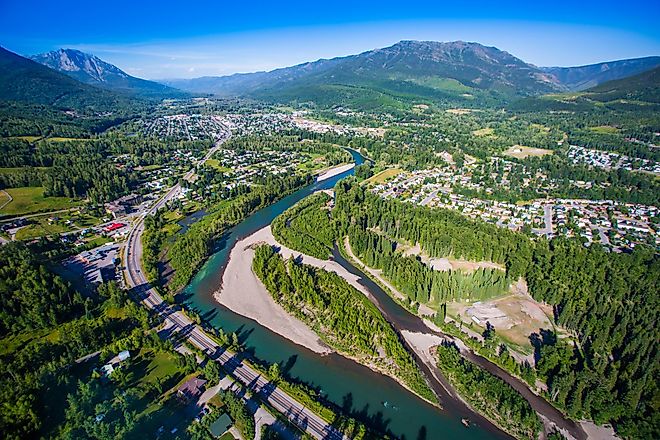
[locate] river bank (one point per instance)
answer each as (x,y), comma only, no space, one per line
(371,397)
(243,293)
(332,172)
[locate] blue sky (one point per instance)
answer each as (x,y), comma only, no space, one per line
(187,38)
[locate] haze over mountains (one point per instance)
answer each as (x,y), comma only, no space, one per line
(26,81)
(418,68)
(90,69)
(585,77)
(406,71)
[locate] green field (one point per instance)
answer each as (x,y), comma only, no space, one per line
(31,200)
(64,139)
(215,163)
(605,129)
(41,226)
(26,138)
(19,169)
(383,176)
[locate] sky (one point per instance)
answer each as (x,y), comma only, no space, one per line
(188,38)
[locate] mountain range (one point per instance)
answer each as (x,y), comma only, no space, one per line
(26,81)
(90,69)
(407,71)
(416,69)
(585,77)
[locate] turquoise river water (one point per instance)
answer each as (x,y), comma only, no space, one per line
(370,396)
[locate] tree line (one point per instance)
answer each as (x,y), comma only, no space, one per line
(607,371)
(343,318)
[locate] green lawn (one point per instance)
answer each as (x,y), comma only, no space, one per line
(215,163)
(605,129)
(383,176)
(11,170)
(31,200)
(40,229)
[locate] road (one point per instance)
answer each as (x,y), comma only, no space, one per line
(293,410)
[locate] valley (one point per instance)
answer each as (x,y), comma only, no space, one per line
(424,240)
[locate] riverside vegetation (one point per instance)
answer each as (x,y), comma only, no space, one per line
(342,317)
(605,372)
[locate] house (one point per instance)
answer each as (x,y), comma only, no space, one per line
(122,205)
(107,369)
(114,363)
(191,389)
(220,426)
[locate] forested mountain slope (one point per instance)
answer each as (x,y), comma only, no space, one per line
(28,82)
(408,69)
(92,70)
(585,77)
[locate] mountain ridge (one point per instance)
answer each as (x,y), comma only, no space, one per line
(415,65)
(90,69)
(26,81)
(591,75)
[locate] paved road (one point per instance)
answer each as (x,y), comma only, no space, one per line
(428,198)
(9,198)
(298,414)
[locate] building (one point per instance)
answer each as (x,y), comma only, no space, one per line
(191,389)
(220,426)
(122,205)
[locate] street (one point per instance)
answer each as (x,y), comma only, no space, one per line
(295,412)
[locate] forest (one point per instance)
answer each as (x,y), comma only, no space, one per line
(421,283)
(343,317)
(306,228)
(31,296)
(606,371)
(191,249)
(488,394)
(46,325)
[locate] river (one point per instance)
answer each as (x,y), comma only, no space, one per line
(371,396)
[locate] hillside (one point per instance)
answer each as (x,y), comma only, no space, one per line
(25,81)
(584,77)
(37,100)
(643,87)
(406,70)
(92,70)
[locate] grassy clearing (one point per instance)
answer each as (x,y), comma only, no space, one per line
(26,138)
(31,200)
(383,176)
(42,226)
(315,163)
(40,229)
(215,163)
(522,152)
(605,129)
(459,111)
(488,131)
(64,139)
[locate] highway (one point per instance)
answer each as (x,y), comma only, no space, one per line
(293,410)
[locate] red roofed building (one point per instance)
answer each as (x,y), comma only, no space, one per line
(191,389)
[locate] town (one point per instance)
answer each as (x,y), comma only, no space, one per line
(615,225)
